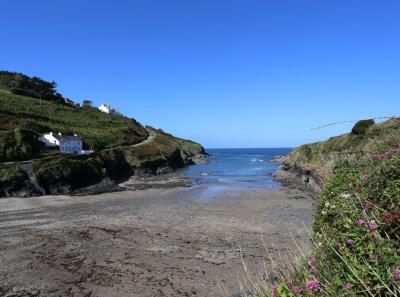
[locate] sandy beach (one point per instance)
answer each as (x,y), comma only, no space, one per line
(162,241)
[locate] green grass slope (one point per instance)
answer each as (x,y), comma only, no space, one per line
(320,157)
(98,130)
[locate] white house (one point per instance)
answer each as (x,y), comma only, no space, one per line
(68,144)
(104,107)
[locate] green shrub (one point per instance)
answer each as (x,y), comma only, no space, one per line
(67,171)
(18,145)
(10,173)
(362,126)
(20,84)
(11,177)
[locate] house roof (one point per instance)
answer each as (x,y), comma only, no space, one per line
(108,106)
(66,137)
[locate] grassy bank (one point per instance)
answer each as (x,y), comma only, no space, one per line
(320,157)
(357,226)
(98,130)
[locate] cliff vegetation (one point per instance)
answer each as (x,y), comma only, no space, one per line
(357,225)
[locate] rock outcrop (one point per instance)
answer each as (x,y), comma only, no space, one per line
(288,174)
(99,172)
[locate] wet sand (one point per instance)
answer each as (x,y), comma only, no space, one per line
(186,241)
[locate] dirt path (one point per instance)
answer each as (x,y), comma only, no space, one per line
(148,139)
(157,242)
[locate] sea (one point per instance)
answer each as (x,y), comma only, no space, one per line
(247,168)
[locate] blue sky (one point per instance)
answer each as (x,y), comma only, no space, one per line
(224,73)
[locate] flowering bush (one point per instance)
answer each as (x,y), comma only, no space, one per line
(356,233)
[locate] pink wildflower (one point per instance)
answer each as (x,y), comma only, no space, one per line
(368,204)
(388,154)
(312,270)
(366,177)
(373,257)
(274,290)
(361,222)
(297,290)
(397,273)
(312,261)
(372,226)
(348,286)
(350,241)
(314,286)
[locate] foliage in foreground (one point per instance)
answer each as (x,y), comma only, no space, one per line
(356,232)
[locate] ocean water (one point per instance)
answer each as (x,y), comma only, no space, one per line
(241,168)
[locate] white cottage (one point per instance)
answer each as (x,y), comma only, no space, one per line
(108,109)
(68,144)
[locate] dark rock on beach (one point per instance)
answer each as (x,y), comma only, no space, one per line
(295,175)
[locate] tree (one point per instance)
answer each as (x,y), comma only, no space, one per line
(362,126)
(35,87)
(87,104)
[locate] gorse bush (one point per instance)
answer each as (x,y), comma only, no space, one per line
(356,232)
(362,126)
(18,145)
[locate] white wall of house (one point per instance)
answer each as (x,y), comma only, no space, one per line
(108,109)
(71,146)
(49,139)
(66,145)
(104,108)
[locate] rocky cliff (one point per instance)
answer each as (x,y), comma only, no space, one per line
(101,171)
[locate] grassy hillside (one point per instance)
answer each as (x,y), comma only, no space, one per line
(357,226)
(320,157)
(112,137)
(30,106)
(98,130)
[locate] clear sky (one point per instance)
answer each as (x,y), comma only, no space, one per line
(225,73)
